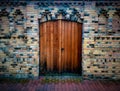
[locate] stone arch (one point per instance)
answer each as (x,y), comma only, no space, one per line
(70,14)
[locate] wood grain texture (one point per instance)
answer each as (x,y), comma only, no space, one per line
(47,45)
(51,33)
(66,49)
(44,44)
(72,53)
(55,40)
(59,34)
(60,46)
(41,47)
(63,46)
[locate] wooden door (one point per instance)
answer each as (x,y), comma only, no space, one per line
(60,47)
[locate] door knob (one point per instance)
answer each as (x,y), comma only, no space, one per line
(62,49)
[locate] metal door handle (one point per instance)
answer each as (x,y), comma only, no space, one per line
(62,49)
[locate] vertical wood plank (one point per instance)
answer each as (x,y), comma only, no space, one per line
(57,45)
(68,46)
(41,49)
(77,61)
(79,45)
(67,35)
(75,47)
(59,29)
(73,53)
(52,27)
(44,46)
(54,49)
(49,37)
(65,24)
(47,44)
(62,45)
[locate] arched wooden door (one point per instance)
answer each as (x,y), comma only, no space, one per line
(60,47)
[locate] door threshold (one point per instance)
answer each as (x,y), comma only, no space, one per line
(61,77)
(61,74)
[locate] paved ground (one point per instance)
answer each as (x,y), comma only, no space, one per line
(60,84)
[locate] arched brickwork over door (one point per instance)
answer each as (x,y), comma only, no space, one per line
(60,47)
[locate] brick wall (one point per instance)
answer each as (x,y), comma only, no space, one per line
(19,37)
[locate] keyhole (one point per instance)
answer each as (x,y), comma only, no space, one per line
(62,49)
